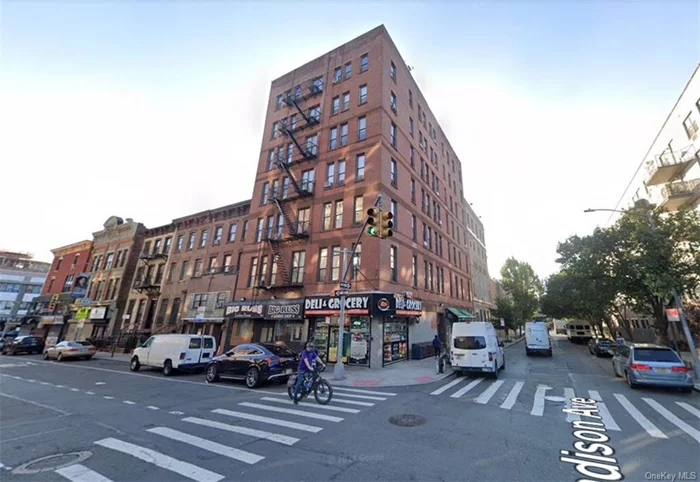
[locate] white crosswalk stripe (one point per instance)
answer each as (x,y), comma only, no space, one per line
(80,473)
(444,388)
(368,392)
(512,396)
(489,392)
(538,405)
(690,408)
(274,437)
(214,447)
(363,397)
(673,419)
(268,420)
(312,405)
(637,415)
(300,413)
(352,402)
(607,419)
(464,390)
(569,394)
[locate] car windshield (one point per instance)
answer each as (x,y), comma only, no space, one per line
(470,342)
(278,350)
(656,355)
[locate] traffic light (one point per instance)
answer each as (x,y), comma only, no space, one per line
(373,220)
(386,224)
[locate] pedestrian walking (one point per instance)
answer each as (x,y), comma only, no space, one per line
(437,344)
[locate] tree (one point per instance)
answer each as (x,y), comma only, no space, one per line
(524,287)
(505,310)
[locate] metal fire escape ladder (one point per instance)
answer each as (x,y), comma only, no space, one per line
(282,272)
(285,169)
(291,225)
(291,102)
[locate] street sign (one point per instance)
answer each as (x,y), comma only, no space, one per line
(344,285)
(672,314)
(341,292)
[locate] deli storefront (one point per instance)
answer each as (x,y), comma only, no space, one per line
(266,321)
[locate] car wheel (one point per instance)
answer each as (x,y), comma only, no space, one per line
(503,367)
(495,371)
(134,365)
(252,378)
(549,353)
(167,368)
(212,374)
(527,352)
(630,382)
(46,355)
(60,357)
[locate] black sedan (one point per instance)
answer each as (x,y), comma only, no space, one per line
(24,344)
(254,363)
(601,347)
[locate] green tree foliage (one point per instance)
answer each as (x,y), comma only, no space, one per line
(505,310)
(524,287)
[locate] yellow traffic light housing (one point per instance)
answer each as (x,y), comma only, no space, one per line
(373,222)
(386,224)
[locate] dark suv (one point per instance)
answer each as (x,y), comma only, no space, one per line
(24,344)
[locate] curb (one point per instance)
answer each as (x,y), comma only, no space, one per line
(514,343)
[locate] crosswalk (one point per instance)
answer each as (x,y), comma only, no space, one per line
(271,418)
(632,410)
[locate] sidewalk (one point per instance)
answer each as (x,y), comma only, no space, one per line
(118,356)
(400,374)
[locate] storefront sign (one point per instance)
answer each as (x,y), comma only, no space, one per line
(244,310)
(284,310)
(80,286)
(408,306)
(98,313)
(82,313)
(376,304)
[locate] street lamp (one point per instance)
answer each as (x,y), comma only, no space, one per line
(674,292)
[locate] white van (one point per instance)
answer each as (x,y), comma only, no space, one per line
(537,338)
(474,347)
(174,352)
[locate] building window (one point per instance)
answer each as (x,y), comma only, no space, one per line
(197,271)
(335,263)
(413,190)
(359,210)
(364,62)
(392,101)
(109,260)
(360,167)
(203,238)
(67,283)
(330,174)
(180,242)
(171,272)
(184,270)
(278,102)
(344,134)
(690,125)
(273,271)
(166,246)
(262,271)
(232,232)
(348,70)
(275,129)
(307,180)
(425,275)
(270,226)
(394,209)
(265,193)
(346,101)
(414,271)
(312,145)
(337,74)
(392,71)
(218,234)
(303,220)
(392,263)
(315,113)
(341,172)
(285,187)
(327,207)
(270,159)
(333,139)
(414,228)
(361,128)
(318,84)
(190,241)
(392,134)
(293,122)
(253,273)
(322,264)
(338,214)
(275,191)
(259,230)
(335,105)
(298,261)
(410,98)
(227,262)
(362,94)
(410,126)
(280,224)
(394,174)
(413,157)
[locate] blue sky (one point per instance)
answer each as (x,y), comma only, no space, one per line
(550,106)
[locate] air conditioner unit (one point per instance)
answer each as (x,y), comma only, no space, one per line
(425,244)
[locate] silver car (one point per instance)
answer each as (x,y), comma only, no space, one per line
(647,364)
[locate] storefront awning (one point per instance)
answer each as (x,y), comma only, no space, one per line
(460,313)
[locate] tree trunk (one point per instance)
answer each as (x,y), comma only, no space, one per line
(624,322)
(660,320)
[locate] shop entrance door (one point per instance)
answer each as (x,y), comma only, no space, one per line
(333,345)
(264,332)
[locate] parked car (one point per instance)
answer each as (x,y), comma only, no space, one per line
(474,347)
(537,338)
(174,352)
(70,349)
(647,364)
(24,344)
(6,338)
(254,363)
(602,347)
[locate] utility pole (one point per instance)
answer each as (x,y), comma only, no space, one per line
(339,370)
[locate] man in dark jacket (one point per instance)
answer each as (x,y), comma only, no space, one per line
(437,344)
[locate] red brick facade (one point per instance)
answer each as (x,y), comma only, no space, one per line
(68,262)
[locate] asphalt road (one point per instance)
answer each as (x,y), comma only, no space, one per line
(145,427)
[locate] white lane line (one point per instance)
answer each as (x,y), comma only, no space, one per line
(637,415)
(447,386)
(129,402)
(261,434)
(363,397)
(268,420)
(90,393)
(80,473)
(608,421)
(489,392)
(299,413)
(60,386)
(214,447)
(353,402)
(100,383)
(690,408)
(34,403)
(368,392)
(45,383)
(538,405)
(74,389)
(673,419)
(176,412)
(512,396)
(568,395)
(464,390)
(166,462)
(151,407)
(107,397)
(30,381)
(312,405)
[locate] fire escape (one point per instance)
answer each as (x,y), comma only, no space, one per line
(296,229)
(148,282)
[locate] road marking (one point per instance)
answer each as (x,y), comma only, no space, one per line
(30,381)
(107,397)
(637,415)
(369,392)
(299,413)
(489,392)
(464,390)
(446,387)
(538,405)
(673,419)
(80,473)
(175,412)
(100,383)
(161,460)
(60,386)
(151,407)
(45,383)
(608,421)
(74,389)
(312,405)
(512,396)
(261,434)
(34,403)
(214,447)
(353,402)
(363,397)
(271,421)
(129,402)
(40,434)
(568,395)
(690,408)
(90,393)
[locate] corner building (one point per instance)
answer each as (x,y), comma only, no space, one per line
(339,131)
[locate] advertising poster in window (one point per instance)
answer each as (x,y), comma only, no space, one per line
(80,286)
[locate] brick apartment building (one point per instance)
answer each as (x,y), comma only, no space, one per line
(340,130)
(481,281)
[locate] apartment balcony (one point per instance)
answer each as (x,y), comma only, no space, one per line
(679,194)
(150,256)
(670,165)
(149,286)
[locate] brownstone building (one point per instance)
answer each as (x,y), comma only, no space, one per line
(341,130)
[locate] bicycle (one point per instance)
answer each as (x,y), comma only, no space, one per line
(313,382)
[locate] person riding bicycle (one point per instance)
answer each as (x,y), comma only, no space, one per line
(306,361)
